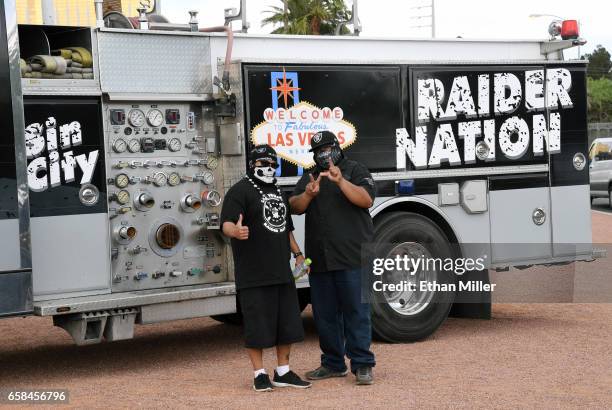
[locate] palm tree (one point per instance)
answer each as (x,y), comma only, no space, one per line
(314,17)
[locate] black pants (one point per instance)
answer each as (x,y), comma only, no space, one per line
(343,322)
(271,316)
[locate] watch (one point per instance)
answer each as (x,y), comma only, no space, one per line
(298,253)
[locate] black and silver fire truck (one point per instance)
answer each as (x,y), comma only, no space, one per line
(118,144)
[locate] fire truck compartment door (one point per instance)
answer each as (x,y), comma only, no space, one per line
(520,220)
(570,190)
(68,200)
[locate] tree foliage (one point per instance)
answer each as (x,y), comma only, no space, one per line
(599,99)
(599,63)
(599,85)
(316,17)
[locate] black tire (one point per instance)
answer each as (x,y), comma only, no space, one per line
(610,196)
(236,318)
(387,323)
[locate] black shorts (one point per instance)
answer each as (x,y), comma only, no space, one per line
(271,316)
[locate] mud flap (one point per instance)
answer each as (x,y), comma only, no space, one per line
(15,293)
(473,305)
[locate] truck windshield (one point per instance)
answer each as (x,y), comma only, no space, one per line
(601,150)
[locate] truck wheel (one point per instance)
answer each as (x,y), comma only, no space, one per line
(229,319)
(610,196)
(407,316)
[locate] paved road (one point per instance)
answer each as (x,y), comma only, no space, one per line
(529,355)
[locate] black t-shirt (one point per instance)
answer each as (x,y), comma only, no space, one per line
(263,258)
(336,229)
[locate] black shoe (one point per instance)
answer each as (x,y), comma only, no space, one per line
(364,375)
(289,379)
(262,383)
(324,373)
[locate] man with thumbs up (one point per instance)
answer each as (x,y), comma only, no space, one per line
(239,231)
(256,217)
(335,196)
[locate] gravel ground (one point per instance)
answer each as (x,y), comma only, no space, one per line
(529,355)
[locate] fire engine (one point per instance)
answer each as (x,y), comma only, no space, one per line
(119,142)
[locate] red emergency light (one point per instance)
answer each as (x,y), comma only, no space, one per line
(569,30)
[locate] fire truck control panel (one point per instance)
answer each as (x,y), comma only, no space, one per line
(164,203)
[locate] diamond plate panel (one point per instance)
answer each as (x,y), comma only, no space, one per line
(154,63)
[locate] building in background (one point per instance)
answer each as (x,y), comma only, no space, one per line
(71,12)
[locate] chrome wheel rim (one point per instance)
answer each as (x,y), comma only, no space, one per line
(409,302)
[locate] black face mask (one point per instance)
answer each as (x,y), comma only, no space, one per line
(322,158)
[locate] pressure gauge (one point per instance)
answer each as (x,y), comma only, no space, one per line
(174,179)
(122,180)
(213,198)
(160,179)
(119,145)
(123,197)
(134,145)
(155,118)
(212,163)
(208,178)
(136,118)
(174,144)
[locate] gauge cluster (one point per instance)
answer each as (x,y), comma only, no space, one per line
(165,195)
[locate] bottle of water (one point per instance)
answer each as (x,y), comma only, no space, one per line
(301,269)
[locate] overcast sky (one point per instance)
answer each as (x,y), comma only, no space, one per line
(468,18)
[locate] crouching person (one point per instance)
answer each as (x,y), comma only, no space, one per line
(256,217)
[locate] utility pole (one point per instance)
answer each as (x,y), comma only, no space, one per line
(48,12)
(433,18)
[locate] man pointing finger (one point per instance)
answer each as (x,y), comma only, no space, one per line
(338,223)
(312,189)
